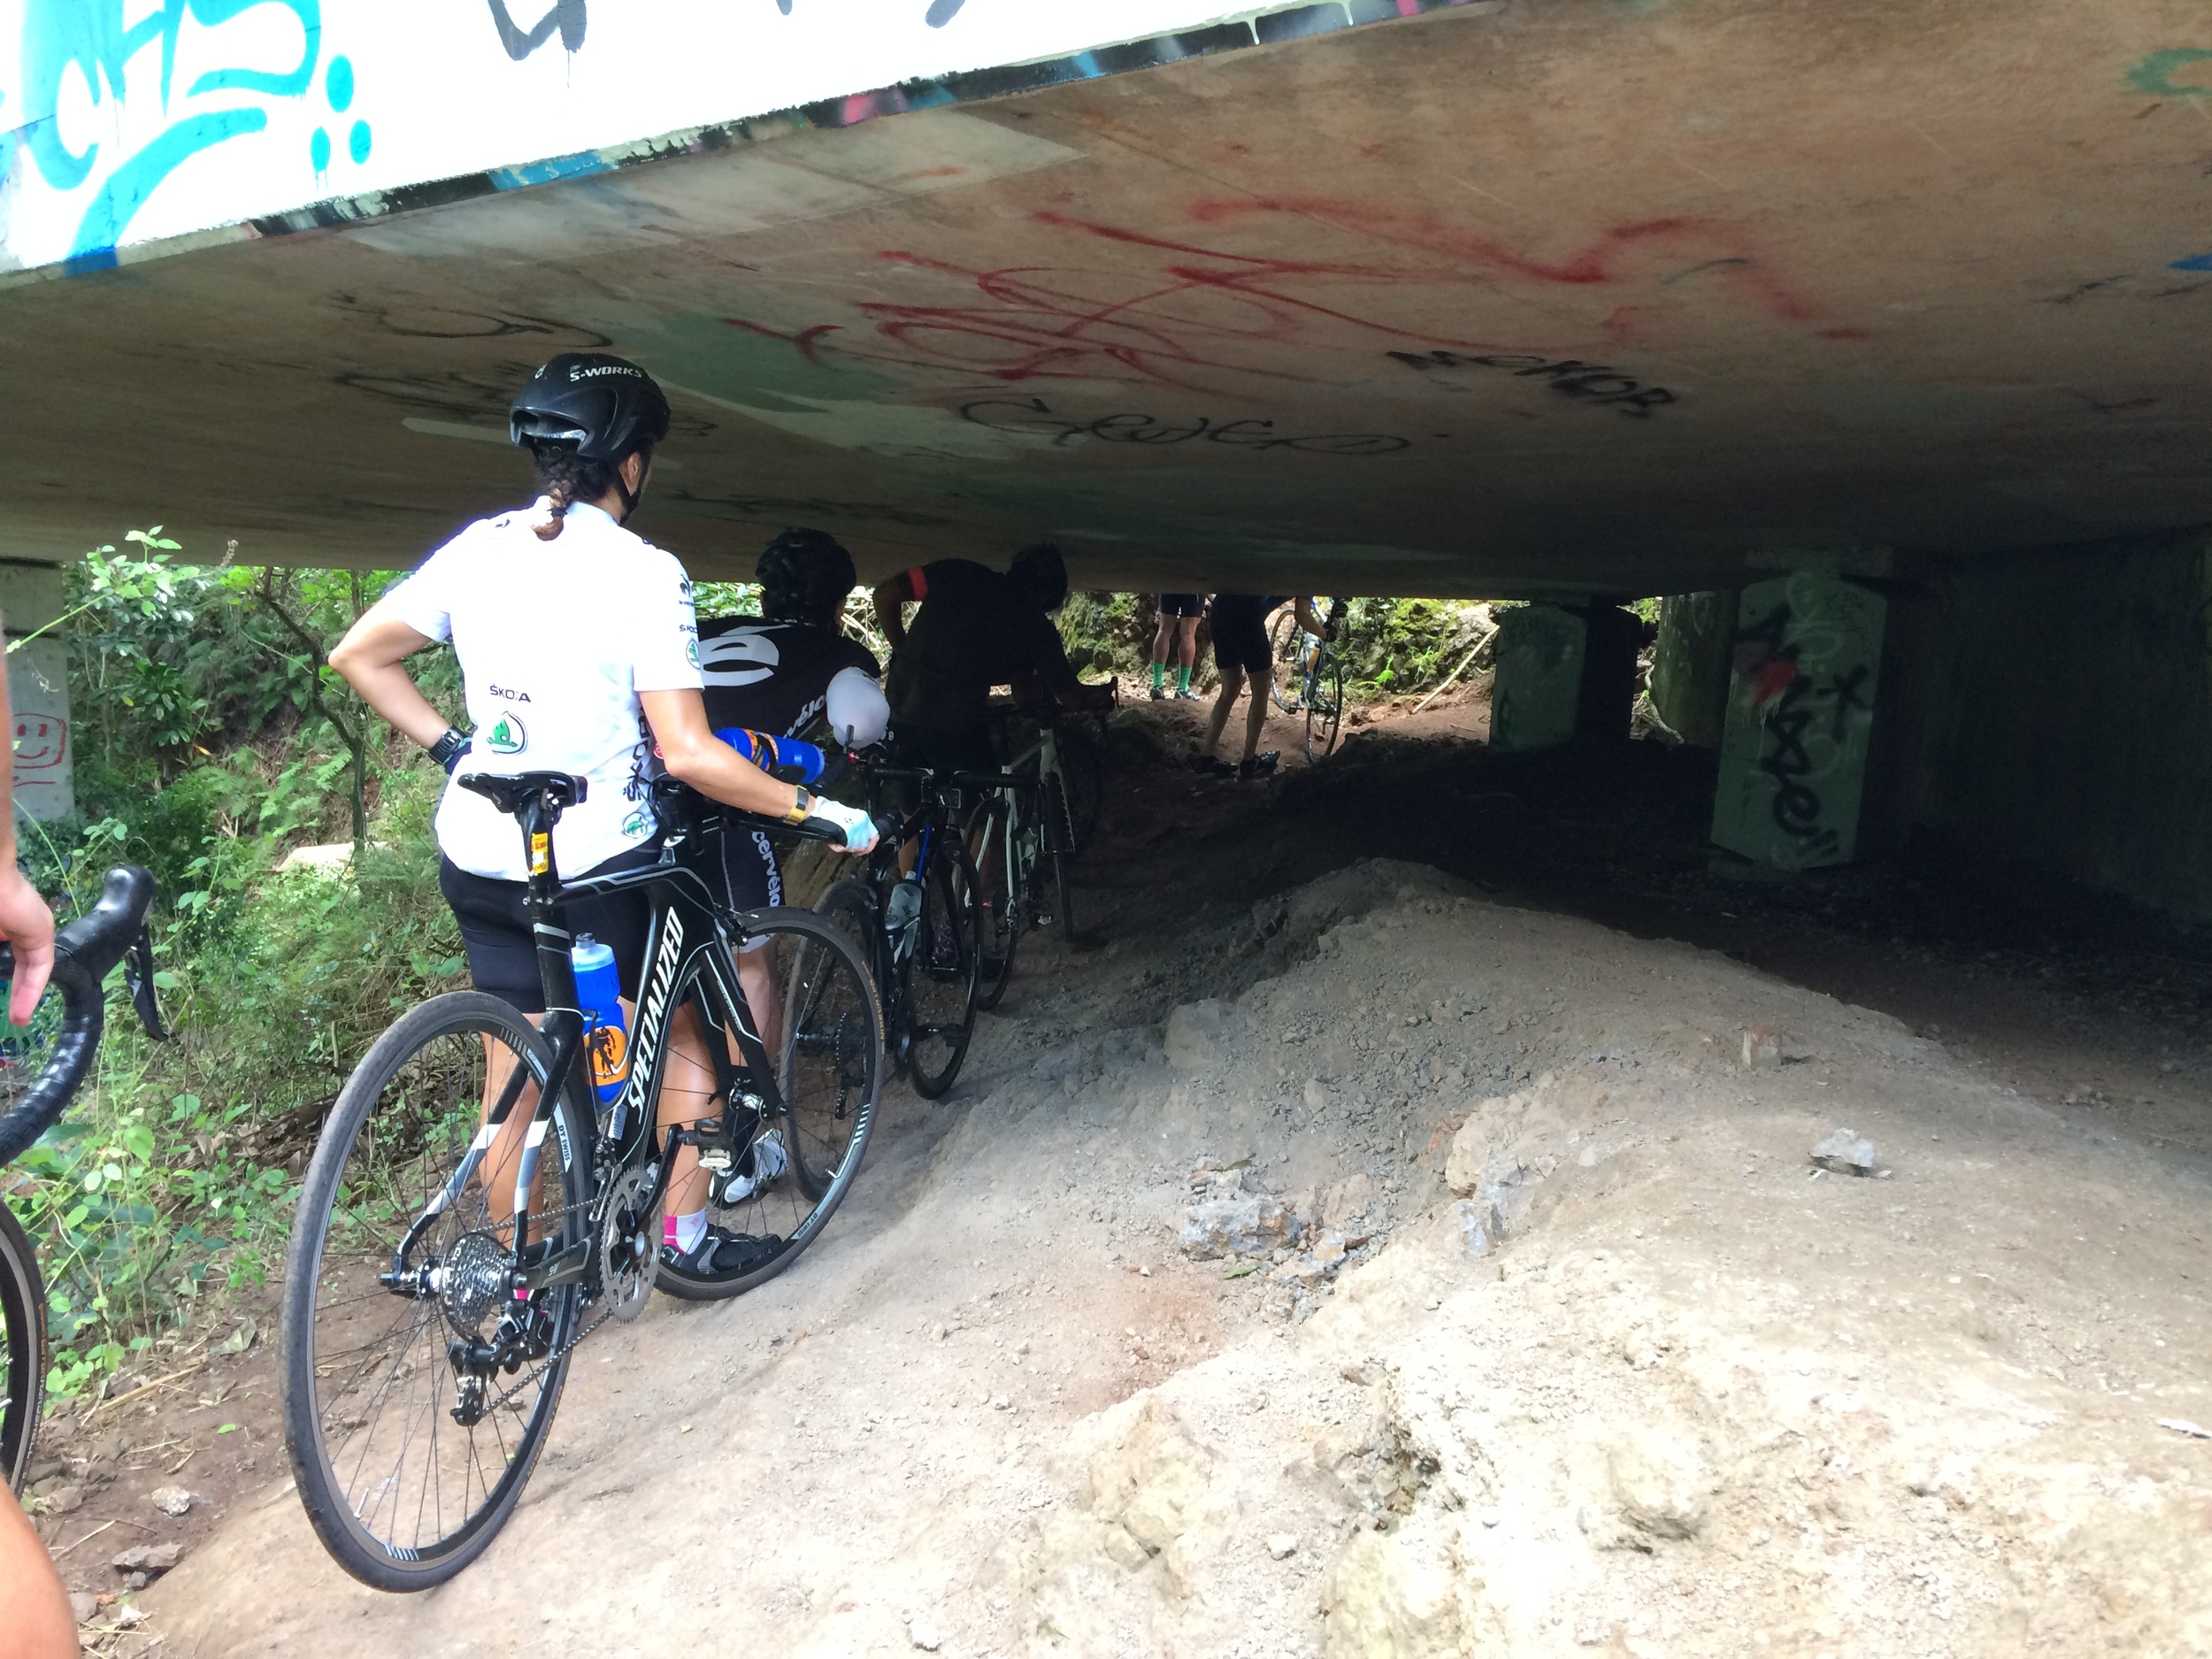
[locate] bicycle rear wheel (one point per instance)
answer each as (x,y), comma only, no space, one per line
(827,1051)
(22,1349)
(1059,855)
(1324,711)
(1084,772)
(403,1492)
(941,973)
(1283,638)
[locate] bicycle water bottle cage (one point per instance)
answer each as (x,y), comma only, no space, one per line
(560,789)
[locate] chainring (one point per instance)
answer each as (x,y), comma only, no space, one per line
(629,1252)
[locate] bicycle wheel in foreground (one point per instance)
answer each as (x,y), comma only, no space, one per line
(1285,642)
(409,1458)
(944,972)
(22,1349)
(826,1041)
(1324,711)
(1059,855)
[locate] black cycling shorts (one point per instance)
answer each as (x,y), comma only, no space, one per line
(1182,604)
(1240,638)
(750,874)
(496,928)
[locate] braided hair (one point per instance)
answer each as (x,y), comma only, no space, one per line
(566,478)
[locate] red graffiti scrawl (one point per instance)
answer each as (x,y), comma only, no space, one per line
(1199,314)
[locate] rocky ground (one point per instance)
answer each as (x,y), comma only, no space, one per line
(1346,1255)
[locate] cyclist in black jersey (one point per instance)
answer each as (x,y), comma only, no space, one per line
(790,672)
(975,629)
(1241,652)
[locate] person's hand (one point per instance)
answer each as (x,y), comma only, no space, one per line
(26,923)
(859,828)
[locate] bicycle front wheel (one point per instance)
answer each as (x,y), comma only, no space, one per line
(998,911)
(22,1349)
(408,1455)
(1084,772)
(941,973)
(826,1042)
(1325,709)
(1059,855)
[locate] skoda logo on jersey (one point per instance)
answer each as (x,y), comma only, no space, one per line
(635,826)
(507,736)
(743,657)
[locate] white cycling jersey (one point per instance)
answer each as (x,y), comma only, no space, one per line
(555,640)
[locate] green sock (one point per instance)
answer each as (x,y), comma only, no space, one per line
(1182,680)
(1158,669)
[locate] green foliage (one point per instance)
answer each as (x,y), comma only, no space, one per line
(1105,633)
(1406,645)
(211,743)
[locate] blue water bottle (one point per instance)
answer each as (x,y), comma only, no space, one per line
(783,757)
(599,994)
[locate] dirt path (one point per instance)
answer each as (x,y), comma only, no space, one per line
(1543,1337)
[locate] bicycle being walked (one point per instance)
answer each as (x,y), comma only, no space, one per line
(1309,674)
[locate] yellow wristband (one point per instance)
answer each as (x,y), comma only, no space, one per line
(801,808)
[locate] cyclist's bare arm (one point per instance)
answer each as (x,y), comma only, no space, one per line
(892,595)
(1309,618)
(25,920)
(370,657)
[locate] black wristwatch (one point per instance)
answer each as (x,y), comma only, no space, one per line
(448,750)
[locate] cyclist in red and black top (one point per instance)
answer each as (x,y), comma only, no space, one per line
(975,629)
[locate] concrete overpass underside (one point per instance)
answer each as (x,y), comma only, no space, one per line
(1555,297)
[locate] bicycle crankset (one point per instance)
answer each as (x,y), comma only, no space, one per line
(629,1251)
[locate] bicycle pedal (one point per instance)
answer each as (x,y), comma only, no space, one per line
(716,1160)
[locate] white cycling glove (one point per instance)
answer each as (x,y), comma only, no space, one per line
(859,828)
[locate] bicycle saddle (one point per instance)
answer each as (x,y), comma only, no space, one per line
(560,788)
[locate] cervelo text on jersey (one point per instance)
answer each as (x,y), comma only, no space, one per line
(551,683)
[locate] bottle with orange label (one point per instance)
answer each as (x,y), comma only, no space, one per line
(599,994)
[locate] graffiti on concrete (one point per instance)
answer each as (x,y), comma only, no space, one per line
(1808,650)
(1032,417)
(1595,383)
(786,510)
(75,51)
(2157,73)
(1211,317)
(567,16)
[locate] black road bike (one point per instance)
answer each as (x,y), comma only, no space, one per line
(1023,830)
(919,933)
(443,1267)
(42,1066)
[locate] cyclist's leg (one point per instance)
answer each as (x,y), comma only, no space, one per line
(1186,655)
(1256,714)
(751,878)
(1231,682)
(40,1624)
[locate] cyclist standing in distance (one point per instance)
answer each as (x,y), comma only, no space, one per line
(579,652)
(40,1624)
(1178,637)
(790,672)
(1241,652)
(975,629)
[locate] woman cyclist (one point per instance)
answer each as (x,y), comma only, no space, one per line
(580,653)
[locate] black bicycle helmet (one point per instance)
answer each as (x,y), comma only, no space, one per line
(1038,572)
(804,576)
(606,406)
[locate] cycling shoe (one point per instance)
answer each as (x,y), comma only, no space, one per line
(752,1175)
(1260,765)
(721,1254)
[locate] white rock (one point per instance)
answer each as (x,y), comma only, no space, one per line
(1845,1154)
(924,1635)
(1196,1035)
(1282,1546)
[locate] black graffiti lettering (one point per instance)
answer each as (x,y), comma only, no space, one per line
(1599,384)
(565,15)
(1844,689)
(1034,417)
(1797,805)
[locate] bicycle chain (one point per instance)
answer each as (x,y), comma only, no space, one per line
(593,1315)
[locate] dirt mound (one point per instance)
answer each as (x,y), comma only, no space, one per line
(1382,1271)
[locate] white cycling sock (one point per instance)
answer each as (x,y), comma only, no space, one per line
(689,1229)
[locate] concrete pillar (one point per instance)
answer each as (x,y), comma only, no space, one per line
(1536,697)
(1605,705)
(31,596)
(1801,719)
(1690,664)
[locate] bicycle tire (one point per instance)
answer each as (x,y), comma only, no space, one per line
(1325,713)
(313,1267)
(1084,772)
(1283,635)
(1059,853)
(999,910)
(22,1349)
(940,1045)
(819,1022)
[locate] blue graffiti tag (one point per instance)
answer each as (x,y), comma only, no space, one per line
(90,37)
